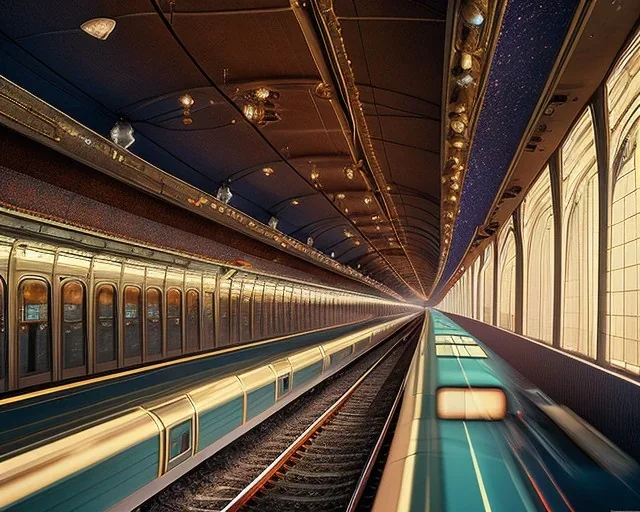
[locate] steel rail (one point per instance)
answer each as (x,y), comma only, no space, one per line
(275,467)
(373,456)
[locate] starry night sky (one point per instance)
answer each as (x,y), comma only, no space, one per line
(531,35)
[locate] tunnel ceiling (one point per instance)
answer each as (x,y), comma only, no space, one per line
(343,144)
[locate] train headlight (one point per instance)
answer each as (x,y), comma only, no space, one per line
(488,404)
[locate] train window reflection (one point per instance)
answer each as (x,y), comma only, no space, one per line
(73,324)
(193,320)
(35,334)
(132,324)
(105,324)
(154,322)
(174,319)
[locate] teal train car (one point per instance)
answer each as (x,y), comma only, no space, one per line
(473,435)
(125,458)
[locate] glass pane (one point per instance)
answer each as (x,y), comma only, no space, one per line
(35,335)
(236,289)
(208,319)
(193,320)
(132,324)
(106,324)
(223,317)
(580,212)
(73,328)
(538,243)
(257,311)
(245,311)
(506,278)
(154,322)
(623,274)
(174,320)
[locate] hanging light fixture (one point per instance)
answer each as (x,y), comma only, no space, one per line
(273,222)
(333,254)
(224,193)
(367,200)
(267,171)
(186,101)
(474,12)
(310,241)
(295,202)
(100,28)
(340,196)
(349,172)
(122,134)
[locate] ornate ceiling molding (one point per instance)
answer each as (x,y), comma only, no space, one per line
(380,188)
(475,31)
(25,113)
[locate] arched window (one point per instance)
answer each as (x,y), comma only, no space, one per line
(174,320)
(580,207)
(538,242)
(132,323)
(192,320)
(507,277)
(623,270)
(245,310)
(154,322)
(34,330)
(485,288)
(106,325)
(73,325)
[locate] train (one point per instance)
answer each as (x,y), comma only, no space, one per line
(472,434)
(75,304)
(126,457)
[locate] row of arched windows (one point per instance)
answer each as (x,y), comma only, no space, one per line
(579,198)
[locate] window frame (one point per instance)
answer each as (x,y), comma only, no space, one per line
(78,370)
(112,364)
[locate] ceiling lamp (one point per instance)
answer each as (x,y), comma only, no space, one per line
(367,200)
(340,196)
(374,217)
(295,202)
(254,113)
(333,254)
(348,233)
(377,228)
(267,171)
(122,134)
(459,122)
(186,101)
(273,222)
(224,194)
(349,171)
(474,12)
(388,187)
(357,242)
(310,241)
(100,28)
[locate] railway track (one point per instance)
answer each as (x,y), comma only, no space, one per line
(326,466)
(352,405)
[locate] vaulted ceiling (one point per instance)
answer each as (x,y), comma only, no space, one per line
(323,115)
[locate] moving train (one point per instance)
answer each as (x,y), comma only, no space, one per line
(73,304)
(469,422)
(124,459)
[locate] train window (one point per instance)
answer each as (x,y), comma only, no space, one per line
(208,312)
(35,333)
(223,316)
(179,443)
(132,324)
(284,385)
(3,334)
(192,322)
(174,319)
(245,311)
(257,311)
(73,324)
(236,290)
(154,322)
(105,324)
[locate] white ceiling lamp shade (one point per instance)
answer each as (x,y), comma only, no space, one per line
(122,134)
(100,28)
